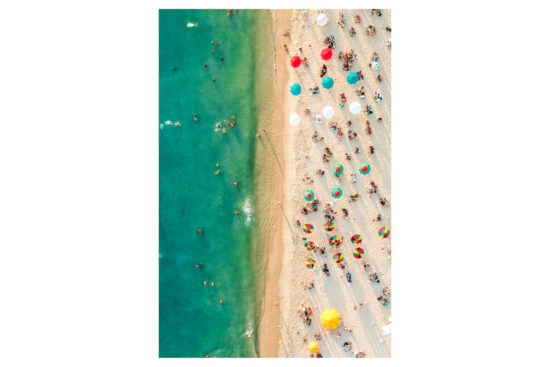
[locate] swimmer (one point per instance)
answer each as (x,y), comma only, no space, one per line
(236,213)
(199,232)
(212,41)
(217,164)
(218,171)
(205,65)
(221,301)
(217,44)
(213,79)
(223,130)
(249,336)
(174,68)
(222,58)
(233,117)
(235,184)
(249,215)
(205,282)
(212,50)
(212,284)
(198,266)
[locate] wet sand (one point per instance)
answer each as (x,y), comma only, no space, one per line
(270,334)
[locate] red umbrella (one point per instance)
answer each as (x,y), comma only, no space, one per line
(295,62)
(326,54)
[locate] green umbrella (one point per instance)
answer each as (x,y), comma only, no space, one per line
(337,193)
(338,169)
(309,195)
(364,169)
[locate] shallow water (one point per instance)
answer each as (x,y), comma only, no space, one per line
(192,322)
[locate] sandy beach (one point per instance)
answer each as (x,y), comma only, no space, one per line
(302,158)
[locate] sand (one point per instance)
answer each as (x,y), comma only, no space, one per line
(334,292)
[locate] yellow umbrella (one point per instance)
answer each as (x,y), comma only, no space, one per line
(313,347)
(330,319)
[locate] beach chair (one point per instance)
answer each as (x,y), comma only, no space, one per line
(318,118)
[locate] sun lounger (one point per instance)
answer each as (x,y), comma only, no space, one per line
(318,118)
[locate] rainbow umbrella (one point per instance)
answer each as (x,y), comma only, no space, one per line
(336,193)
(364,169)
(358,253)
(327,82)
(310,263)
(353,78)
(309,195)
(310,245)
(326,54)
(384,232)
(334,241)
(295,62)
(356,238)
(308,228)
(338,257)
(295,89)
(338,169)
(329,226)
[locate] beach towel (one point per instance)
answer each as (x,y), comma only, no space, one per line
(318,118)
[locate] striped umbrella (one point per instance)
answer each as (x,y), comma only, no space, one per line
(308,228)
(338,169)
(334,241)
(336,193)
(310,245)
(310,263)
(356,238)
(358,253)
(338,257)
(329,226)
(309,195)
(364,169)
(384,232)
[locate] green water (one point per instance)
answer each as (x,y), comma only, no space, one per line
(192,322)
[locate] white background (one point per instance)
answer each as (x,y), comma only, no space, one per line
(79,182)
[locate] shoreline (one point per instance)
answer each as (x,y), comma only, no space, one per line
(276,140)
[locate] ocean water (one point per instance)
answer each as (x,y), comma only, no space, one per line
(192,322)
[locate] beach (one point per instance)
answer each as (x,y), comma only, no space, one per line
(356,301)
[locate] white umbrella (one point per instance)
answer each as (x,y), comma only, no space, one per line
(322,19)
(294,119)
(328,112)
(355,108)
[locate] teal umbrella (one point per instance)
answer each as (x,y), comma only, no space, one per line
(364,169)
(327,82)
(353,78)
(295,89)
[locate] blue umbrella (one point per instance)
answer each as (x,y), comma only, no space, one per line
(295,89)
(327,82)
(353,78)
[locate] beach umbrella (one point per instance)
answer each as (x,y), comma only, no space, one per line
(384,232)
(358,253)
(295,61)
(322,19)
(329,226)
(308,228)
(295,89)
(356,238)
(328,82)
(330,319)
(353,78)
(328,112)
(313,347)
(364,169)
(310,245)
(338,257)
(334,241)
(294,119)
(310,263)
(336,193)
(309,195)
(338,169)
(355,108)
(326,54)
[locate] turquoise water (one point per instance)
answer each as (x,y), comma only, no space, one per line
(192,322)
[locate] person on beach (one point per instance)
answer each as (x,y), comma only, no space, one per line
(286,48)
(379,119)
